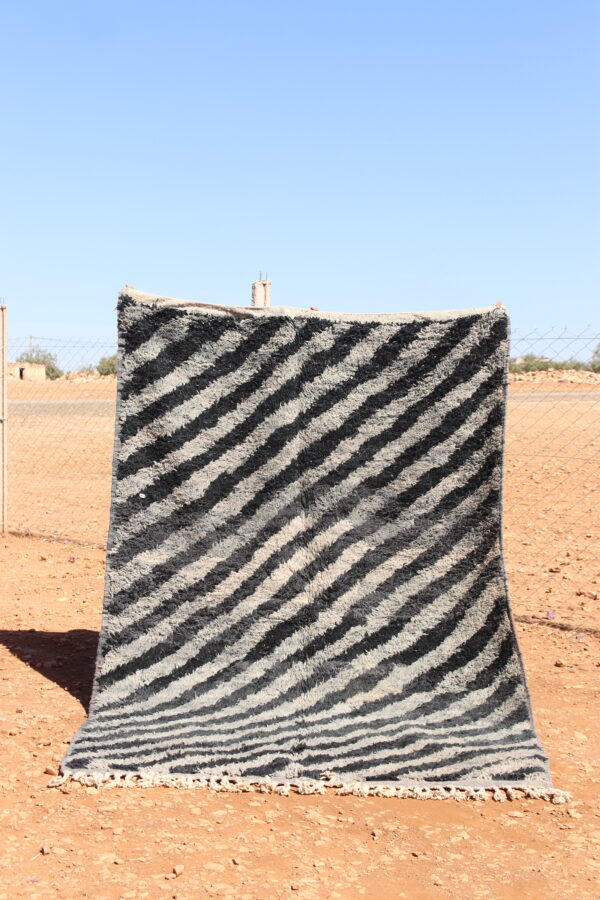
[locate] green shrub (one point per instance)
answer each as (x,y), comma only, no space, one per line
(532,363)
(108,365)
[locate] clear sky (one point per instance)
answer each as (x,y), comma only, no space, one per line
(372,156)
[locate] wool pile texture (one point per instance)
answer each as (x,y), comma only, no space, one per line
(305,584)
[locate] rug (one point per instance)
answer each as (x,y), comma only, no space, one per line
(305,585)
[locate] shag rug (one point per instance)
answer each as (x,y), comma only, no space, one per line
(305,585)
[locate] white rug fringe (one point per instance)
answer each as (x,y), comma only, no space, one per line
(235,784)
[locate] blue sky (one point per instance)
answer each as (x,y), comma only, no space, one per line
(380,156)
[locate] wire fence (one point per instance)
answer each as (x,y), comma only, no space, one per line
(60,442)
(60,439)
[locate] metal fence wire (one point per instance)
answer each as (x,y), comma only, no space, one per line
(60,439)
(60,443)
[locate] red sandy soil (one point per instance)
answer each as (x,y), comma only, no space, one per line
(77,842)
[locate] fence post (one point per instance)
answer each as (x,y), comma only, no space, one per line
(4,418)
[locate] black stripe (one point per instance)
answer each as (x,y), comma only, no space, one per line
(260,772)
(520,774)
(228,361)
(459,757)
(212,649)
(151,455)
(163,571)
(369,677)
(463,655)
(424,682)
(420,599)
(234,754)
(445,700)
(180,635)
(195,621)
(138,323)
(296,583)
(232,746)
(200,331)
(257,457)
(503,691)
(498,778)
(325,760)
(305,618)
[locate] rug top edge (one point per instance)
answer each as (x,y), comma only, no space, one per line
(144,297)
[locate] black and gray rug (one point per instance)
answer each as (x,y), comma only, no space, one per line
(305,584)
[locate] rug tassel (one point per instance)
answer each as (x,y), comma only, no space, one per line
(267,785)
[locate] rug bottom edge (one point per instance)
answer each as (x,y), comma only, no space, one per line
(499,792)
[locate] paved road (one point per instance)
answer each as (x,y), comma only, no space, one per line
(89,407)
(587,396)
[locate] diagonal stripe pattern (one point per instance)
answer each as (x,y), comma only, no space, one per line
(305,570)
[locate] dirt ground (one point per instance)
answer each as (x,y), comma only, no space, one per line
(78,842)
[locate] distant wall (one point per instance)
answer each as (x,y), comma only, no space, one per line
(27,371)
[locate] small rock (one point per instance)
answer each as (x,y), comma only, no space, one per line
(117,861)
(294,887)
(516,815)
(44,850)
(178,870)
(50,770)
(559,664)
(235,861)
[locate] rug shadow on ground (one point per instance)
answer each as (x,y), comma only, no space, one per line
(66,657)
